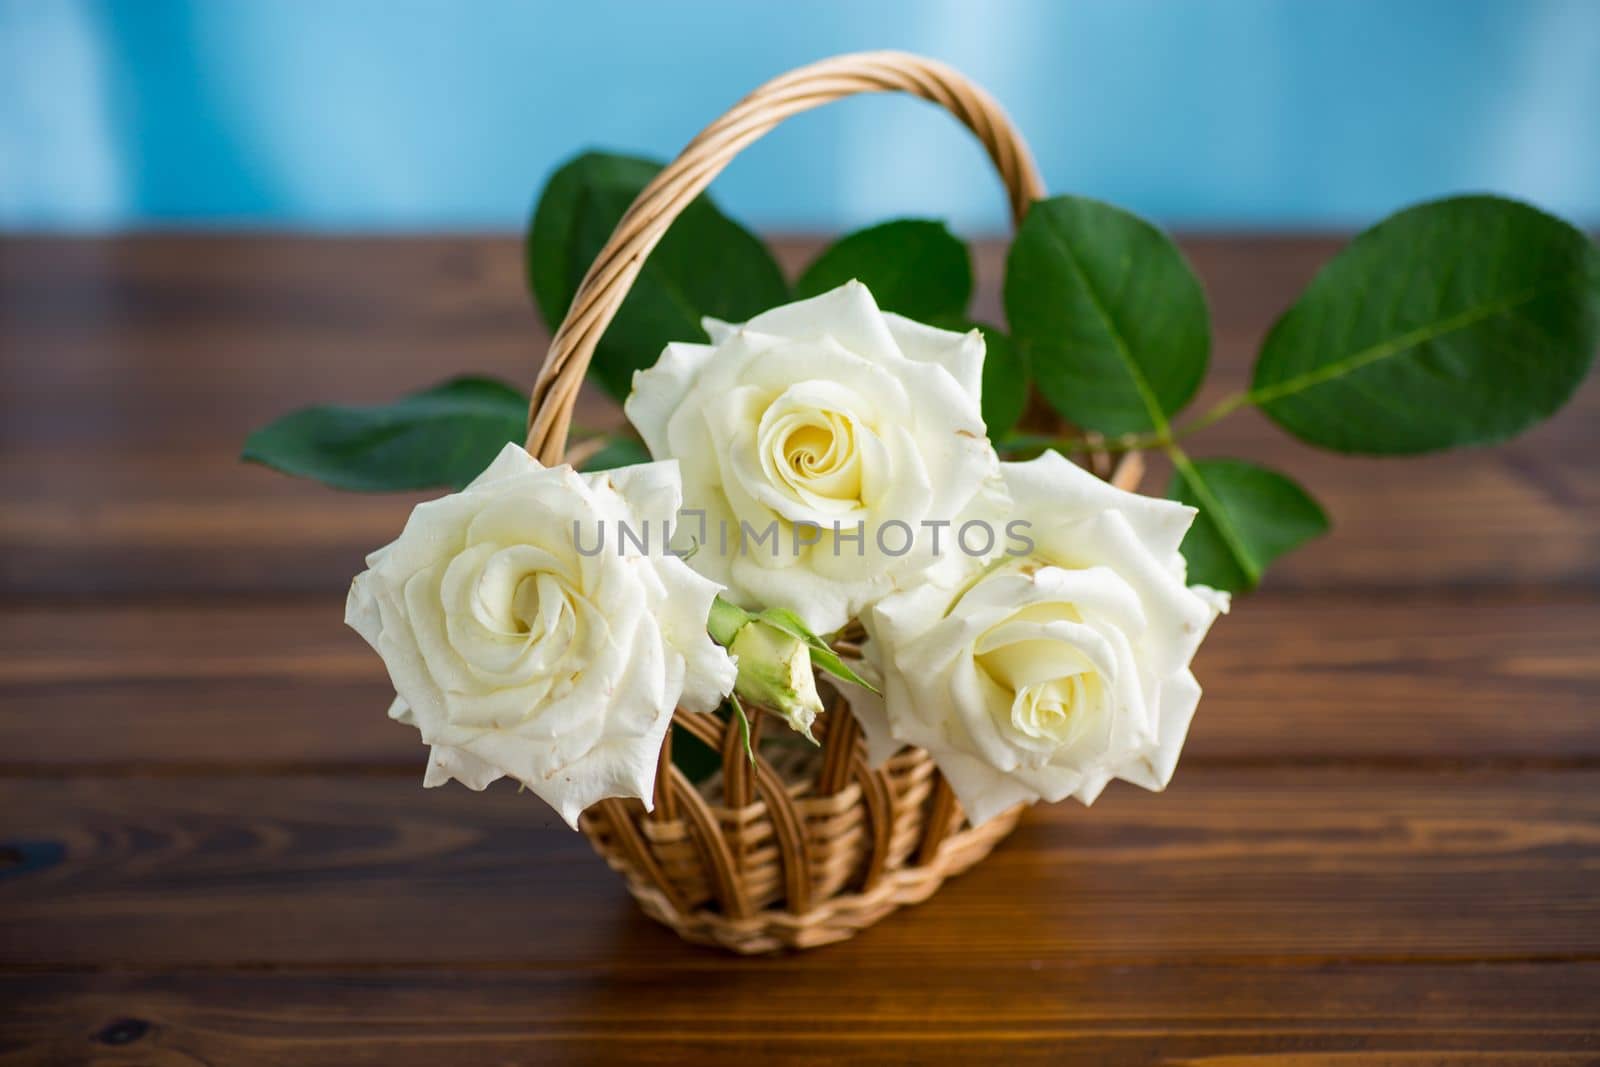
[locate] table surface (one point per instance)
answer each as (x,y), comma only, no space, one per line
(1383,841)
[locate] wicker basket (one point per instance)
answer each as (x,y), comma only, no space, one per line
(808,845)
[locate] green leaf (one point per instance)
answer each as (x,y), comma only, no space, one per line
(617,452)
(1110,320)
(444,436)
(1249,516)
(553,259)
(1461,321)
(1005,383)
(914,267)
(707,264)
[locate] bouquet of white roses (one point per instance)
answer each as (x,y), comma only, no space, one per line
(828,482)
(1030,624)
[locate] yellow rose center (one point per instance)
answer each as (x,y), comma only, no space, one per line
(815,454)
(1046,691)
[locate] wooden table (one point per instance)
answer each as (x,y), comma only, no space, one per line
(1384,839)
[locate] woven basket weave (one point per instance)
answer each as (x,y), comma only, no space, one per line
(810,845)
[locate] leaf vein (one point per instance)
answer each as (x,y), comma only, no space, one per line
(1158,417)
(1392,347)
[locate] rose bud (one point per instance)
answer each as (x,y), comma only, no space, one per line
(774,665)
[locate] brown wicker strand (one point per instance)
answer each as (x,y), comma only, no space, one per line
(839,918)
(736,783)
(1129,471)
(713,847)
(840,734)
(633,846)
(940,812)
(665,805)
(878,796)
(774,798)
(790,833)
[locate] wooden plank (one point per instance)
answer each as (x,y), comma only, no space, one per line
(769,1011)
(1318,677)
(1279,865)
(148,359)
(1419,676)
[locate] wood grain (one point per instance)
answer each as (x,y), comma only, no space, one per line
(1030,1012)
(1487,677)
(1383,845)
(1230,864)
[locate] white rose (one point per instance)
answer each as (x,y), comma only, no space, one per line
(1048,674)
(513,653)
(822,415)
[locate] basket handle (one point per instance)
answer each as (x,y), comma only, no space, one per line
(612,273)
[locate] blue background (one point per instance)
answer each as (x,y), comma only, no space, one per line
(430,114)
